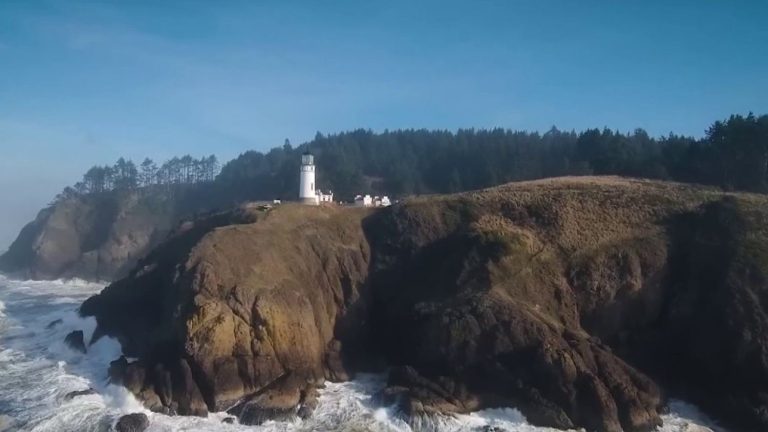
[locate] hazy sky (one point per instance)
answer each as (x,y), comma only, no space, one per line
(87,82)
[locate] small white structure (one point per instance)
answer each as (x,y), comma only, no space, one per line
(323,198)
(368,201)
(363,201)
(307,193)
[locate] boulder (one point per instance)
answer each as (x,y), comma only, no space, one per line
(116,370)
(134,377)
(489,428)
(281,400)
(76,341)
(136,422)
(415,395)
(164,389)
(308,403)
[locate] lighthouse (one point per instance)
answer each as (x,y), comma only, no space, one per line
(307,193)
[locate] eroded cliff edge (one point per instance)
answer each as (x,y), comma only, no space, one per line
(575,300)
(101,236)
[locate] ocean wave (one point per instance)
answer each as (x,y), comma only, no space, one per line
(74,283)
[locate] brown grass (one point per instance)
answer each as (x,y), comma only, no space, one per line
(580,213)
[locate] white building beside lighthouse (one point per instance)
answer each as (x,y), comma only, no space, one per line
(308,191)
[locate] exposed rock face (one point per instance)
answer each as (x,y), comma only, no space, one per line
(97,237)
(474,290)
(713,332)
(101,236)
(561,297)
(261,305)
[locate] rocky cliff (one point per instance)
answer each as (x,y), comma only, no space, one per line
(583,302)
(98,236)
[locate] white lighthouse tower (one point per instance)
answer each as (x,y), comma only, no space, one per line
(307,193)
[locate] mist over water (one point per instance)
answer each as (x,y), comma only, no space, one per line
(37,371)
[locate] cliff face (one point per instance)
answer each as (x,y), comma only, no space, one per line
(96,237)
(576,300)
(246,306)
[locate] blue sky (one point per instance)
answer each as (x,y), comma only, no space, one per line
(87,82)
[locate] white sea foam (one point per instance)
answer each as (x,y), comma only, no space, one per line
(37,370)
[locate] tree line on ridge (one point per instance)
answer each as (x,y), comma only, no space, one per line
(733,155)
(125,175)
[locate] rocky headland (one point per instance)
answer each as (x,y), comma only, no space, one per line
(584,302)
(100,236)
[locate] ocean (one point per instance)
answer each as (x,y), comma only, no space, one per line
(37,371)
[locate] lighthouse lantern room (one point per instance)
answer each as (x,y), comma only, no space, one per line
(307,193)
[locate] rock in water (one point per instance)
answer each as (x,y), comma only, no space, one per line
(74,394)
(136,422)
(116,370)
(186,391)
(75,340)
(165,389)
(309,402)
(277,401)
(54,323)
(545,296)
